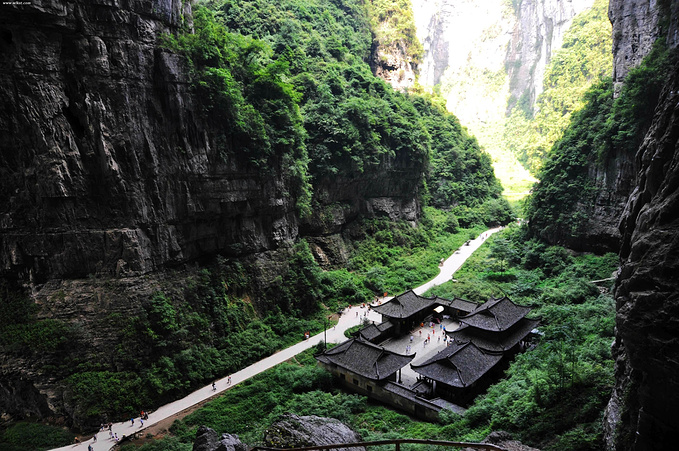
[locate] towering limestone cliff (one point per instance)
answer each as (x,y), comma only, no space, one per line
(112,175)
(108,165)
(642,412)
(611,183)
(488,58)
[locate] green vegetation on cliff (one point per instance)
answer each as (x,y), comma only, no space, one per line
(291,79)
(584,57)
(603,128)
(392,21)
(287,86)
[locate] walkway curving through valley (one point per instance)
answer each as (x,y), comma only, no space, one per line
(350,317)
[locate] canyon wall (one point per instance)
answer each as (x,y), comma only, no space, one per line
(538,32)
(109,167)
(642,412)
(478,39)
(636,26)
(113,180)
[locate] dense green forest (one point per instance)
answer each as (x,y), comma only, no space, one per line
(292,79)
(585,56)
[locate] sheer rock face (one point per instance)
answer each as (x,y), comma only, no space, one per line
(107,165)
(635,29)
(296,431)
(539,31)
(636,26)
(466,36)
(643,412)
(392,64)
(109,168)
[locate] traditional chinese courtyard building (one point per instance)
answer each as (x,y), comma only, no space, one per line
(363,364)
(406,310)
(498,325)
(456,307)
(371,370)
(376,333)
(486,336)
(456,371)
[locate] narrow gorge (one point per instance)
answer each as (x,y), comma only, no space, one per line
(182,179)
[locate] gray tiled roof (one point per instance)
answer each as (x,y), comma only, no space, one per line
(495,315)
(495,341)
(374,331)
(404,305)
(365,359)
(458,365)
(457,303)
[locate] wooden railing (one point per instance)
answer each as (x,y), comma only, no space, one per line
(397,445)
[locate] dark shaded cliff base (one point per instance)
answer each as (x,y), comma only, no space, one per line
(646,395)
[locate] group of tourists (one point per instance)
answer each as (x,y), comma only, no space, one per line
(430,335)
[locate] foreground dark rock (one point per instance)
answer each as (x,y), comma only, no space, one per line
(641,414)
(208,440)
(296,431)
(504,440)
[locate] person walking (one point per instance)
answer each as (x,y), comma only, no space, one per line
(214,386)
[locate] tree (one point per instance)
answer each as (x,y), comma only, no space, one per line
(501,250)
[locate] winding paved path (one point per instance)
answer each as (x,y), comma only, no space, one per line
(349,318)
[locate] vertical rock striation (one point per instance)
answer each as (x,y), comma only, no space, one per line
(109,167)
(459,35)
(538,32)
(107,164)
(642,411)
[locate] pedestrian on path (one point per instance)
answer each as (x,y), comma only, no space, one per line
(94,438)
(214,386)
(228,381)
(141,423)
(131,421)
